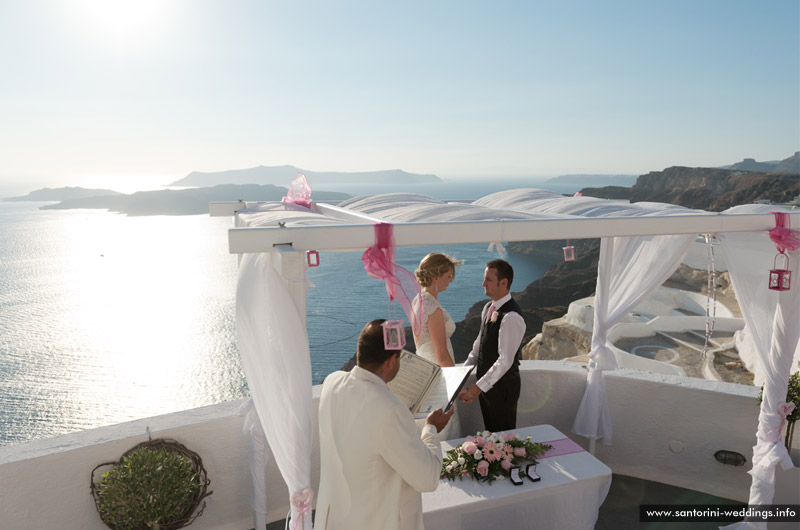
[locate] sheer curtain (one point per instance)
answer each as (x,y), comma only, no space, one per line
(628,270)
(275,357)
(772,320)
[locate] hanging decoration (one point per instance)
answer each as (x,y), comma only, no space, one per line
(711,292)
(780,279)
(401,285)
(394,333)
(299,192)
(569,252)
(785,239)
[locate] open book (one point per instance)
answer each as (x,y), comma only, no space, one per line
(425,386)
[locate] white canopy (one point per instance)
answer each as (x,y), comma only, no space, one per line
(636,256)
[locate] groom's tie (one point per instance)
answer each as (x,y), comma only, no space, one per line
(489,313)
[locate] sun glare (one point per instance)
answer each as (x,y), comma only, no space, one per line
(124,23)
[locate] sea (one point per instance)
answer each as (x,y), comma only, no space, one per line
(106,318)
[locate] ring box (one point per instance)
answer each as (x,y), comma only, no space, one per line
(532,474)
(513,474)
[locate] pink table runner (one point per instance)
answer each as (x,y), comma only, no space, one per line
(563,446)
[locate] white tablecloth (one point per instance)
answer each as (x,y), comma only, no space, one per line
(572,488)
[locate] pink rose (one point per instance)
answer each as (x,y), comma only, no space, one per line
(493,318)
(505,464)
(469,448)
(508,436)
(483,468)
(479,441)
(519,451)
(469,438)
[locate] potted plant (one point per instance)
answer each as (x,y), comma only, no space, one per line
(156,485)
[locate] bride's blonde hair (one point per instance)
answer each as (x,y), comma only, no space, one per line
(434,265)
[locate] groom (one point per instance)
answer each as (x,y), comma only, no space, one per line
(497,351)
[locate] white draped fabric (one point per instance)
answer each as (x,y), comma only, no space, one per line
(258,462)
(275,357)
(629,269)
(774,327)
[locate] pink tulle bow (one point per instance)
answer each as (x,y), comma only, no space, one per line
(301,501)
(782,235)
(785,409)
(299,192)
(401,285)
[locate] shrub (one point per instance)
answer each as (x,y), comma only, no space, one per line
(156,485)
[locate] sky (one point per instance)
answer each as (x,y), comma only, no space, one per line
(96,92)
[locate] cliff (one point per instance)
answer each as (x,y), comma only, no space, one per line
(713,189)
(705,188)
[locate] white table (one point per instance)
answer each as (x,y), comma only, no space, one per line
(572,488)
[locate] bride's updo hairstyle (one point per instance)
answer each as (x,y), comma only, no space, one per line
(434,265)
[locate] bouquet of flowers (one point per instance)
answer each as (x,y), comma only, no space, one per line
(489,456)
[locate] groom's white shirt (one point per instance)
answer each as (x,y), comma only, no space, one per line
(374,461)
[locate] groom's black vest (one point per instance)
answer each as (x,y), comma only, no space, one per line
(490,333)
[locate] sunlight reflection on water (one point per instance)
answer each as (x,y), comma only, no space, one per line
(106,318)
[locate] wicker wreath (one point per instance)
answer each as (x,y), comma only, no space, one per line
(156,485)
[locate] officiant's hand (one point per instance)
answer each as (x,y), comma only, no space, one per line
(468,395)
(439,419)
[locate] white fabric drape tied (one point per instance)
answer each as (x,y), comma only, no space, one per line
(629,269)
(771,320)
(273,345)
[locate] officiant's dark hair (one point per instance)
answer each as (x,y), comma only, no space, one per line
(371,352)
(504,270)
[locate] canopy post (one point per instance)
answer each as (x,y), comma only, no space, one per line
(291,266)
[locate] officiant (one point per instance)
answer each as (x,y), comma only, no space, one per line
(374,461)
(496,352)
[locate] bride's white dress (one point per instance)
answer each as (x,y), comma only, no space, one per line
(424,343)
(425,349)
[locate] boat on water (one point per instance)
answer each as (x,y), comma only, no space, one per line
(667,429)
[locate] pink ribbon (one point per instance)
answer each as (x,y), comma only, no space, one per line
(782,235)
(563,446)
(299,192)
(301,501)
(784,409)
(401,285)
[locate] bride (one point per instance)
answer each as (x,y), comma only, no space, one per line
(434,274)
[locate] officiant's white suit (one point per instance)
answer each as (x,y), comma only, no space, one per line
(374,461)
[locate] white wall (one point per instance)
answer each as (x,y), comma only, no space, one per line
(666,429)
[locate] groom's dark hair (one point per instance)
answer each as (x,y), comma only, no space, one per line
(371,353)
(504,270)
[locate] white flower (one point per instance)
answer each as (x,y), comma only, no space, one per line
(493,318)
(485,434)
(478,455)
(449,468)
(461,460)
